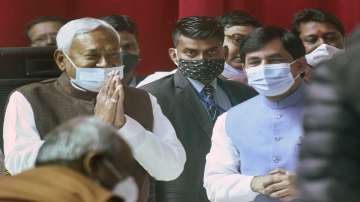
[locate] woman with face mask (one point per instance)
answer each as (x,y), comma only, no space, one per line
(82,160)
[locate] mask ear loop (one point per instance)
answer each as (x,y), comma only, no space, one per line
(112,168)
(70,60)
(301,75)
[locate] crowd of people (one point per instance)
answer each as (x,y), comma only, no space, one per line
(251,112)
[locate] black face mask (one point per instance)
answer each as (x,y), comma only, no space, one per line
(130,62)
(203,70)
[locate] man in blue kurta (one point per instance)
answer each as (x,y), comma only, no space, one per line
(255,144)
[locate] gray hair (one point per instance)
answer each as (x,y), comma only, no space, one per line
(70,30)
(70,141)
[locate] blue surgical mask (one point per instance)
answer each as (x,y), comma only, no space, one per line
(93,78)
(271,79)
(232,73)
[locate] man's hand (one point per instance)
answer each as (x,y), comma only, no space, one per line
(120,112)
(259,183)
(286,189)
(107,99)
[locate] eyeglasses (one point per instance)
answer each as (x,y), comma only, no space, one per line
(236,38)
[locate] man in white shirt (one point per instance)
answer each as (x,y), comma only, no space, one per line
(89,55)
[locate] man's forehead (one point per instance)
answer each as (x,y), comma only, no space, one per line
(186,42)
(239,29)
(45,27)
(274,47)
(316,28)
(97,39)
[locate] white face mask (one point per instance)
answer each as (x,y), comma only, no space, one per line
(127,190)
(322,53)
(271,79)
(232,73)
(93,79)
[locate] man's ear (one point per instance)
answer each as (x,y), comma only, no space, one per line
(305,69)
(173,56)
(89,163)
(60,60)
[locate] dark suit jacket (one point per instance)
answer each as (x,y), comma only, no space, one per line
(184,109)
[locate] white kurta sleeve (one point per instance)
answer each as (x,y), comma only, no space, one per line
(222,179)
(159,152)
(21,137)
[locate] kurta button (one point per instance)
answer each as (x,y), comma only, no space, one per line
(276,159)
(277,139)
(278,116)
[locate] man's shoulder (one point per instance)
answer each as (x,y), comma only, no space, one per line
(136,91)
(162,85)
(237,91)
(236,86)
(36,85)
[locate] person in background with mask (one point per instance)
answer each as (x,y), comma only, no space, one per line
(237,25)
(329,161)
(42,31)
(90,162)
(192,98)
(130,49)
(322,34)
(256,161)
(88,53)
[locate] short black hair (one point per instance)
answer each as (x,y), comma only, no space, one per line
(121,23)
(42,19)
(198,27)
(238,18)
(263,35)
(316,15)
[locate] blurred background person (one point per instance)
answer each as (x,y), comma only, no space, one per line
(129,45)
(322,34)
(237,25)
(330,156)
(42,31)
(82,160)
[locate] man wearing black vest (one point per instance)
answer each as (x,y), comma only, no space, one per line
(89,55)
(192,98)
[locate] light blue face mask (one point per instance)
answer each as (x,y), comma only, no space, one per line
(93,78)
(271,79)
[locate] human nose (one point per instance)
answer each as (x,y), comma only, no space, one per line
(103,62)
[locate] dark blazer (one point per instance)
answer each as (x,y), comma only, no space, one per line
(193,126)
